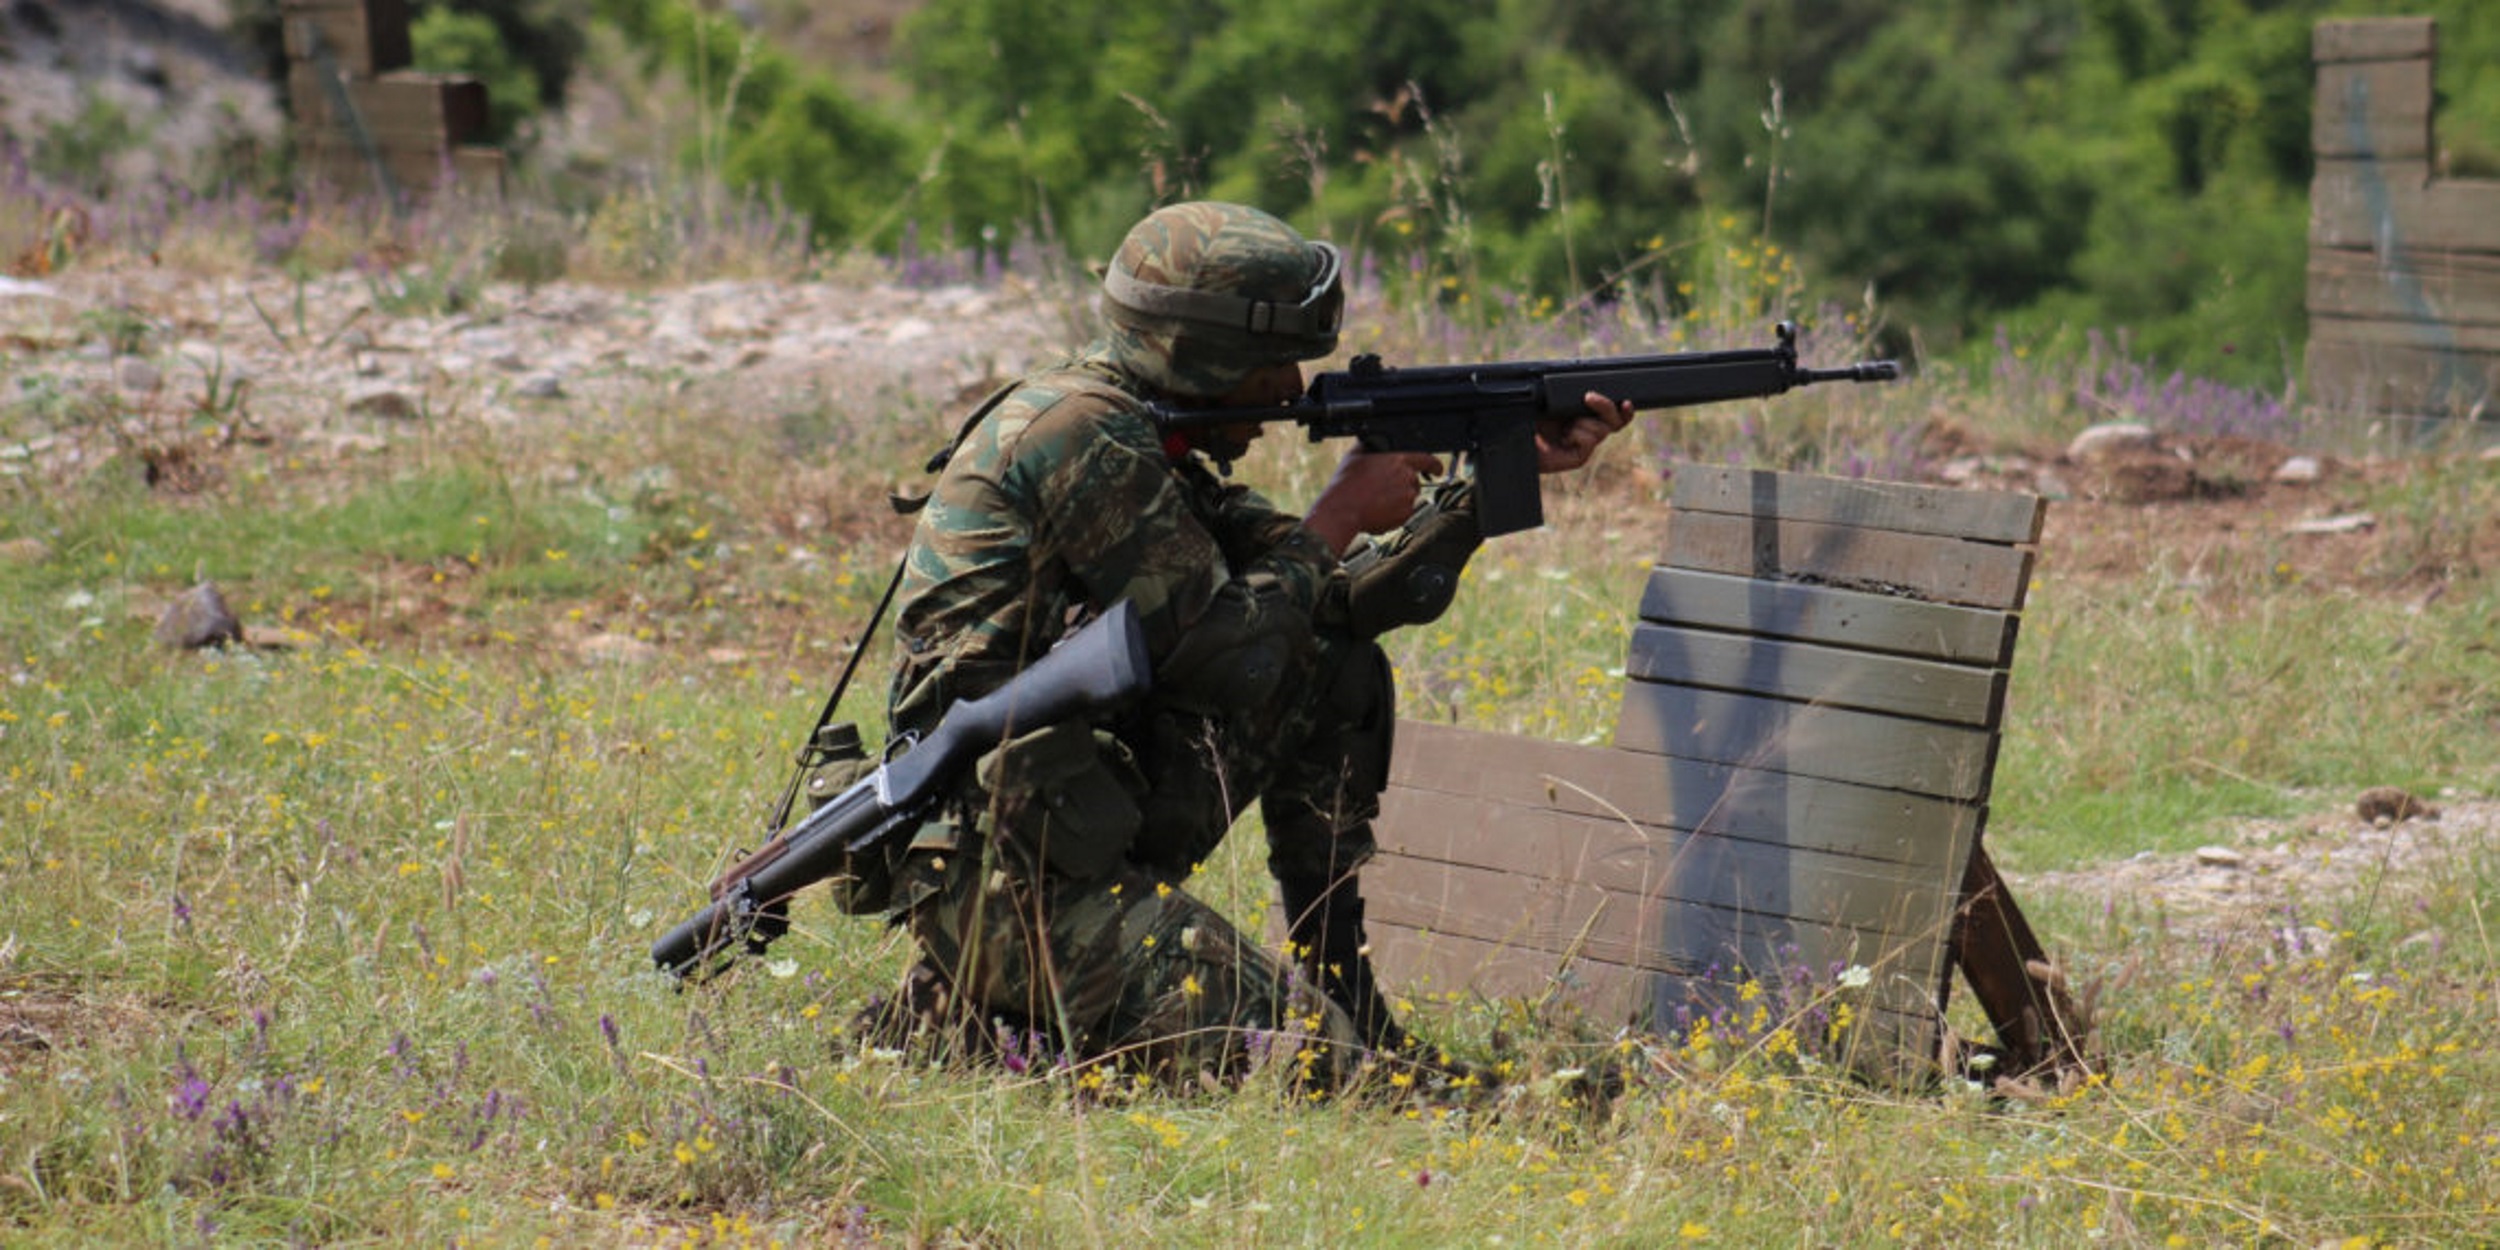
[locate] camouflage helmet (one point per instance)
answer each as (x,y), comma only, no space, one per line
(1202,294)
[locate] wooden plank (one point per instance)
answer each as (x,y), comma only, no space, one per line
(1624,859)
(2396,206)
(363,37)
(1418,962)
(412,171)
(455,103)
(1663,793)
(399,130)
(2373,39)
(1896,1016)
(1830,676)
(1829,614)
(1945,761)
(2376,109)
(1564,918)
(2459,288)
(480,169)
(2373,379)
(2428,336)
(402,109)
(342,171)
(1977,574)
(1980,516)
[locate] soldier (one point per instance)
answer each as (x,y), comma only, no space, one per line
(1053,896)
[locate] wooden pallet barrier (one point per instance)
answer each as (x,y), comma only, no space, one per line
(1790,813)
(364,121)
(2404,262)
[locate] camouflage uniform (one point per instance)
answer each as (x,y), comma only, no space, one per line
(1053,896)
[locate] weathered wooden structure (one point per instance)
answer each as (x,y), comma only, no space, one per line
(1792,804)
(364,121)
(2404,265)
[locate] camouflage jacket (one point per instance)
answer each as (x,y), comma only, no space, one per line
(1063,500)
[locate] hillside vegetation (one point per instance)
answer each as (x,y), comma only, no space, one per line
(2046,168)
(2051,166)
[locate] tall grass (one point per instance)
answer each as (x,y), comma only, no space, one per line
(343,940)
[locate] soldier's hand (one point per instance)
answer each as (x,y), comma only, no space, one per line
(1370,492)
(1566,443)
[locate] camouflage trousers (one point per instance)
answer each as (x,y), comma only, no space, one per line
(1128,964)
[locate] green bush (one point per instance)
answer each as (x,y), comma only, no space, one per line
(445,41)
(79,151)
(1973,165)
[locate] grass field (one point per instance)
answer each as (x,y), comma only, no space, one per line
(341,938)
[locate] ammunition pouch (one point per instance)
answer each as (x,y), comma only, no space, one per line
(1063,795)
(1409,577)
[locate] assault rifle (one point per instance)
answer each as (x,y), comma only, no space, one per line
(1489,412)
(1092,671)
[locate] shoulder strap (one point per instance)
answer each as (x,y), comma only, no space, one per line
(904,505)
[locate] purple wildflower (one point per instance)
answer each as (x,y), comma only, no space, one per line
(191,1097)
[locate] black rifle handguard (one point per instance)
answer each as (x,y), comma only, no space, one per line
(1092,671)
(1489,412)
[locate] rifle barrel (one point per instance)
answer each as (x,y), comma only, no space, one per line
(1863,371)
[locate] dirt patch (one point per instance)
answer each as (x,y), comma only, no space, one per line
(2282,877)
(2219,513)
(42,1017)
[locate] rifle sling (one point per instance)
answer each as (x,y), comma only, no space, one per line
(904,505)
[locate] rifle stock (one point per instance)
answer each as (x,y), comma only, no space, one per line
(1092,671)
(1488,412)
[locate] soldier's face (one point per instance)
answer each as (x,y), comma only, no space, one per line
(1266,387)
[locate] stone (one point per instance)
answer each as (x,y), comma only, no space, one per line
(2348,523)
(540,386)
(199,618)
(24,551)
(386,402)
(616,648)
(2108,439)
(132,373)
(346,443)
(2220,857)
(2299,471)
(2386,805)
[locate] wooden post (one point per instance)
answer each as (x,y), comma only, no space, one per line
(2022,991)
